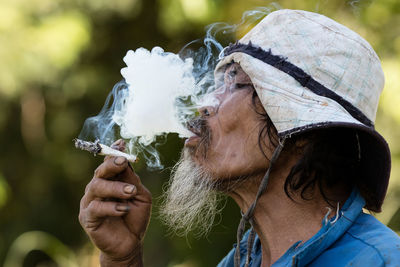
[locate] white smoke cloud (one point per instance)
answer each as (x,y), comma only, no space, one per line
(145,105)
(155,80)
(161,91)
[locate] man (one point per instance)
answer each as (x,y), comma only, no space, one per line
(291,140)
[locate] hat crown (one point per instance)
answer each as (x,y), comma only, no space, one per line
(329,52)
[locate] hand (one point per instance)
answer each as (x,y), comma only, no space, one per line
(115,211)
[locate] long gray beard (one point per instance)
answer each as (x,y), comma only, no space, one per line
(190,201)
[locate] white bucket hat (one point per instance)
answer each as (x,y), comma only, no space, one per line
(311,72)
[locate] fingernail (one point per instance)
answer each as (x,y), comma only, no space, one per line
(119,160)
(128,189)
(122,207)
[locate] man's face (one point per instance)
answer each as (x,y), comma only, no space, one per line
(227,143)
(223,150)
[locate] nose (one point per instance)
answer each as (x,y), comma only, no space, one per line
(206,111)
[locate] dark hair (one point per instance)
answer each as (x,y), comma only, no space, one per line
(330,157)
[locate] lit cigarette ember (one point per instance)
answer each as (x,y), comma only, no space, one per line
(99,149)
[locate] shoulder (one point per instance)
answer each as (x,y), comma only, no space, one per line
(367,242)
(373,240)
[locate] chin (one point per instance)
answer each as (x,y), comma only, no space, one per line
(198,154)
(191,199)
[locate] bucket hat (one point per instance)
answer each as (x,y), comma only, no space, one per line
(311,72)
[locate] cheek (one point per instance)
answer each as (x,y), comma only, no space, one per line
(234,149)
(232,114)
(236,154)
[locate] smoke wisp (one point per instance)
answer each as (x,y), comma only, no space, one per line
(144,105)
(161,91)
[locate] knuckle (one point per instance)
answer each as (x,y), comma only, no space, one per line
(99,187)
(94,184)
(81,218)
(96,171)
(88,186)
(92,207)
(82,202)
(101,169)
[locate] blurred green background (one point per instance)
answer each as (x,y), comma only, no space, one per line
(58,61)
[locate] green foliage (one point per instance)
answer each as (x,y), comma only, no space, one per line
(4,191)
(60,58)
(37,240)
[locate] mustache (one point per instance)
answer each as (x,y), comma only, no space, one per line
(200,127)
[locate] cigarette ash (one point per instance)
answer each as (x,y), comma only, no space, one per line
(92,147)
(162,91)
(101,149)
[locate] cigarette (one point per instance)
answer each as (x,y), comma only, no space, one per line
(99,149)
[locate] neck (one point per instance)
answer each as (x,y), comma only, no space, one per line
(278,220)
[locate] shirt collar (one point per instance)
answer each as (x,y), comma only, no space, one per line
(331,230)
(302,254)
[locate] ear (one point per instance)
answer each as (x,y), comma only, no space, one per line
(300,145)
(295,147)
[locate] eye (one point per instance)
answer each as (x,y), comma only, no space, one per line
(243,85)
(239,85)
(204,112)
(232,73)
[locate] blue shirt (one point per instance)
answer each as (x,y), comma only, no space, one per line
(352,239)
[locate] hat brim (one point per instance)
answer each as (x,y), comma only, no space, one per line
(375,160)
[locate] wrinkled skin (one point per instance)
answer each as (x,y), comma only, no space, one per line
(233,150)
(115,212)
(116,221)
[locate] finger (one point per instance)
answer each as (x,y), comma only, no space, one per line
(132,218)
(111,167)
(129,176)
(98,210)
(101,188)
(119,145)
(117,168)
